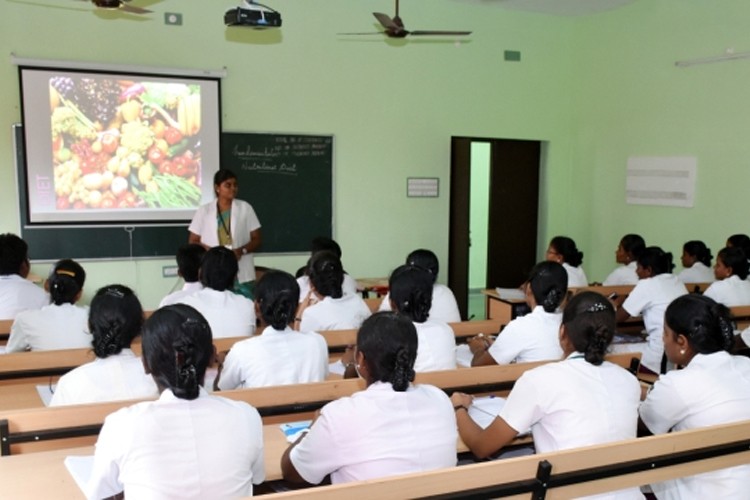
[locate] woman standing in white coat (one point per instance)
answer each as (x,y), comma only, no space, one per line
(231,223)
(713,388)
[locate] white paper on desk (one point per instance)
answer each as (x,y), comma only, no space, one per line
(45,392)
(337,368)
(2,349)
(463,355)
(483,410)
(510,293)
(80,467)
(292,430)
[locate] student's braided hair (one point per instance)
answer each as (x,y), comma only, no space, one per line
(411,292)
(277,296)
(589,320)
(65,281)
(115,319)
(388,341)
(177,347)
(326,274)
(705,323)
(549,284)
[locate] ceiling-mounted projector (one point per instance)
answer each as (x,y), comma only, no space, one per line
(252,14)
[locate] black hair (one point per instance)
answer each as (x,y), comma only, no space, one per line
(549,284)
(589,320)
(177,347)
(326,274)
(735,258)
(189,258)
(13,253)
(740,241)
(115,319)
(388,341)
(65,281)
(698,250)
(219,269)
(223,174)
(705,323)
(633,244)
(277,296)
(322,243)
(426,259)
(567,248)
(657,260)
(410,290)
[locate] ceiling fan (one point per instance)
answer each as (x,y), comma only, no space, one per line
(394,28)
(120,5)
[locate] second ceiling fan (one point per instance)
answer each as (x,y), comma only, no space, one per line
(394,28)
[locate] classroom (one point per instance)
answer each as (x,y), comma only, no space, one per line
(596,89)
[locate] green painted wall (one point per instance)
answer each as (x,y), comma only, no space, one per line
(596,89)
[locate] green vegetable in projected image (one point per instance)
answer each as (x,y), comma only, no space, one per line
(170,191)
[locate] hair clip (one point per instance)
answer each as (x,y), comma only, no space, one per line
(66,272)
(596,307)
(114,292)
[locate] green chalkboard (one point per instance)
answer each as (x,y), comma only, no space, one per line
(288,179)
(92,242)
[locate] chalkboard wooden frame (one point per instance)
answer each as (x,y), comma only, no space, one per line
(294,202)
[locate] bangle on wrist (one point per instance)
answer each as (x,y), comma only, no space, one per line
(459,407)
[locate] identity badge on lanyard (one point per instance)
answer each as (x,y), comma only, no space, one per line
(225,233)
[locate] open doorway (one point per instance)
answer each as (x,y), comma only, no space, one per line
(494,210)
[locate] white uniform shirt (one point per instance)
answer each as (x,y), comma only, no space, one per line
(210,447)
(175,297)
(276,357)
(712,389)
(573,403)
(436,348)
(697,273)
(650,298)
(242,223)
(349,286)
(335,314)
(533,337)
(379,432)
(228,314)
(116,377)
(18,294)
(576,276)
(731,291)
(623,275)
(444,306)
(50,328)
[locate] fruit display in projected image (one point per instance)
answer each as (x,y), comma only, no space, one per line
(124,143)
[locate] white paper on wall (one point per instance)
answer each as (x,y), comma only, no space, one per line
(661,180)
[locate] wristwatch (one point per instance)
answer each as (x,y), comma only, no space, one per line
(244,251)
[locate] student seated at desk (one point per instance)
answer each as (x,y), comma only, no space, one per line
(656,288)
(59,325)
(579,401)
(187,444)
(627,252)
(563,250)
(713,388)
(229,314)
(696,260)
(533,337)
(326,307)
(740,241)
(392,427)
(410,291)
(279,355)
(115,320)
(731,287)
(444,306)
(16,292)
(321,244)
(189,258)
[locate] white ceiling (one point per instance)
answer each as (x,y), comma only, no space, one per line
(556,7)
